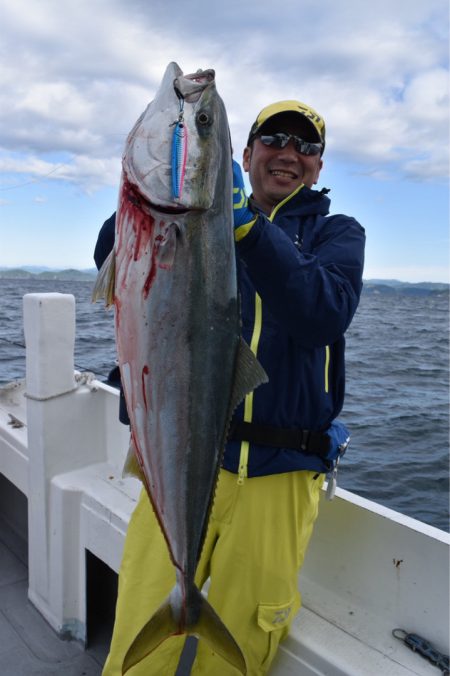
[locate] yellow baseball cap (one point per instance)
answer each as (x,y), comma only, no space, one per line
(314,119)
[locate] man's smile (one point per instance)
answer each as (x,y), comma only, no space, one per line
(283,173)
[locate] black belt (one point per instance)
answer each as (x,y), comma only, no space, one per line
(317,443)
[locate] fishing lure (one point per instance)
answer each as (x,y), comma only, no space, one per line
(179,153)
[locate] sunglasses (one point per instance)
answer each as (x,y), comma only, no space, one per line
(280,140)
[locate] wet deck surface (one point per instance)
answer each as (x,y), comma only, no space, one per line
(28,645)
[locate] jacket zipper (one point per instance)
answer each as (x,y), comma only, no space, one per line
(327,367)
(248,402)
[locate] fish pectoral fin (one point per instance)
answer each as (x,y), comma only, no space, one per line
(104,284)
(248,374)
(211,629)
(131,466)
(160,626)
(166,246)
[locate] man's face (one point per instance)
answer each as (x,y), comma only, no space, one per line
(276,172)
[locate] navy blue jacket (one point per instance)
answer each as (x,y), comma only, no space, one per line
(300,279)
(307,269)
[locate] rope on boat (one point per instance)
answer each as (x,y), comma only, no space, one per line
(77,366)
(86,378)
(420,645)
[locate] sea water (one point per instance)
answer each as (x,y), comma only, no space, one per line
(397,392)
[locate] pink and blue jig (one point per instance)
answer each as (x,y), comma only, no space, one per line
(179,154)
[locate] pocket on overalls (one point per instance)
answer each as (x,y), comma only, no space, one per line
(275,619)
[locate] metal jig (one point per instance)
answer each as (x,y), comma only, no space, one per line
(179,152)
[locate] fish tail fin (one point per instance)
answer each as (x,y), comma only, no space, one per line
(200,620)
(210,628)
(160,626)
(104,284)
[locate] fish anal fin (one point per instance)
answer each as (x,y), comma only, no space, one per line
(248,374)
(104,284)
(131,467)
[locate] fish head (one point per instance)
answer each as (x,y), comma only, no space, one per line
(192,101)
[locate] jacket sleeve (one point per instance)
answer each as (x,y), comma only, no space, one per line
(105,241)
(313,295)
(105,244)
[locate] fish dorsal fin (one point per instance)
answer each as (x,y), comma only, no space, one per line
(104,284)
(248,374)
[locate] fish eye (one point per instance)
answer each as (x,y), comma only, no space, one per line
(204,119)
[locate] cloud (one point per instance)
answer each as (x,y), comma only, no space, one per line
(88,172)
(83,71)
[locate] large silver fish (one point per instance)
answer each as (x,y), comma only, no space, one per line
(183,363)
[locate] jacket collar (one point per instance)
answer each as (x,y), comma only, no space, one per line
(302,202)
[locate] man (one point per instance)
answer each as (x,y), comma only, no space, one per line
(300,278)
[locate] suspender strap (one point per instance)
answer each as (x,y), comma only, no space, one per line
(316,443)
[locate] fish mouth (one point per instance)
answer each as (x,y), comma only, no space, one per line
(147,205)
(142,202)
(165,209)
(173,210)
(190,87)
(141,197)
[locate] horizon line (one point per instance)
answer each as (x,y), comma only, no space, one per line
(93,269)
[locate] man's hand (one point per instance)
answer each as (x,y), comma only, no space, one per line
(242,214)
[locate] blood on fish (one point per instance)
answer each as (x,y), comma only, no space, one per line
(150,277)
(145,372)
(133,210)
(159,241)
(132,206)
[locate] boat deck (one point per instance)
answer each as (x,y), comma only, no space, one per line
(28,645)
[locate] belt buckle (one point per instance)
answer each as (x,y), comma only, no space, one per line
(304,440)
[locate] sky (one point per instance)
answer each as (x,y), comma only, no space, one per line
(76,74)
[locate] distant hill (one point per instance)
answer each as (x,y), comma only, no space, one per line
(391,287)
(64,275)
(371,286)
